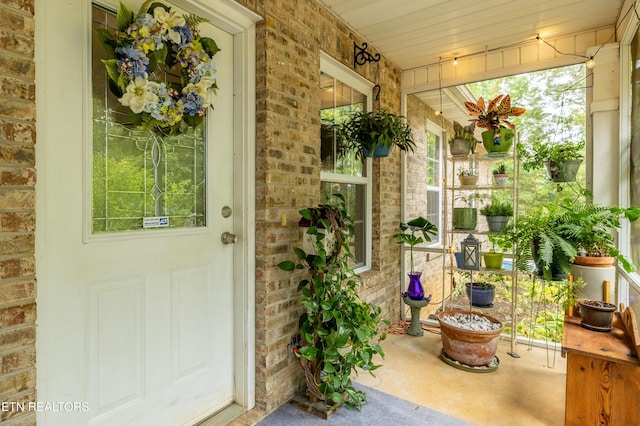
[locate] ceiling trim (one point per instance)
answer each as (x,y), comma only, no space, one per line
(527,57)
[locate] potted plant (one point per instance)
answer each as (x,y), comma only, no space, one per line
(338,328)
(539,235)
(498,214)
(470,339)
(467,177)
(466,217)
(462,141)
(557,233)
(480,293)
(493,116)
(493,258)
(561,160)
(500,176)
(596,314)
(589,231)
(374,133)
(414,232)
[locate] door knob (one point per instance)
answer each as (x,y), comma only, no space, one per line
(228,238)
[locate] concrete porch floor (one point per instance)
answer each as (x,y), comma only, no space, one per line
(522,391)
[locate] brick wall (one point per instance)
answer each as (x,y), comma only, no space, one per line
(17,208)
(289,41)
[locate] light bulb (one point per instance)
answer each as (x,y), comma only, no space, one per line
(455,61)
(591,63)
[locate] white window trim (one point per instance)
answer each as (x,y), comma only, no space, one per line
(437,130)
(362,85)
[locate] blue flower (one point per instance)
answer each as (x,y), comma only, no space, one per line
(186,34)
(133,62)
(193,103)
(145,20)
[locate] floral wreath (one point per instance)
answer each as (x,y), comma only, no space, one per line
(159,35)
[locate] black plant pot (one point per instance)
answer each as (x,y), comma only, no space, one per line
(557,274)
(596,315)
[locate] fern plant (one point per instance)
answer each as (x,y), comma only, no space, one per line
(555,233)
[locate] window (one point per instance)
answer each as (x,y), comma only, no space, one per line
(342,93)
(434,178)
(140,179)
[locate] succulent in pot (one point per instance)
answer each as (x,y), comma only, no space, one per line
(467,177)
(462,141)
(500,175)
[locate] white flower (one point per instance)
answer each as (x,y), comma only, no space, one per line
(140,95)
(168,21)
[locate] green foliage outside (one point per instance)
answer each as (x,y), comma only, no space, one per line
(124,180)
(555,101)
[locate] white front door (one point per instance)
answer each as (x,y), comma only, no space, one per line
(134,327)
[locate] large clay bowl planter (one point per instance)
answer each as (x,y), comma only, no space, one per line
(594,261)
(469,347)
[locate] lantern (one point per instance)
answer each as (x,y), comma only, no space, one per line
(471,253)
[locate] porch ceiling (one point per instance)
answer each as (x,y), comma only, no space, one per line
(415,33)
(419,33)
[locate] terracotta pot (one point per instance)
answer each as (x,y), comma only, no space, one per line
(594,261)
(469,347)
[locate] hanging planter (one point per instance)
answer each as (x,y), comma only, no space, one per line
(372,134)
(560,159)
(562,171)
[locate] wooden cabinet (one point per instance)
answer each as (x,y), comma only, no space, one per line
(603,376)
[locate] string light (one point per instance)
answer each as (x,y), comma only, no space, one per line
(455,61)
(591,63)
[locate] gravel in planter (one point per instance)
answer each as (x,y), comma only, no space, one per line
(476,322)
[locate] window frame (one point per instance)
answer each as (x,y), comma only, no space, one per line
(340,72)
(439,133)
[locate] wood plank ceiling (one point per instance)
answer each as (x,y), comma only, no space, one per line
(417,33)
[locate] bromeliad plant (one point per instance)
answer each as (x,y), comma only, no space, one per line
(160,67)
(338,328)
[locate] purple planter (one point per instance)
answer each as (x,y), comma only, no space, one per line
(415,290)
